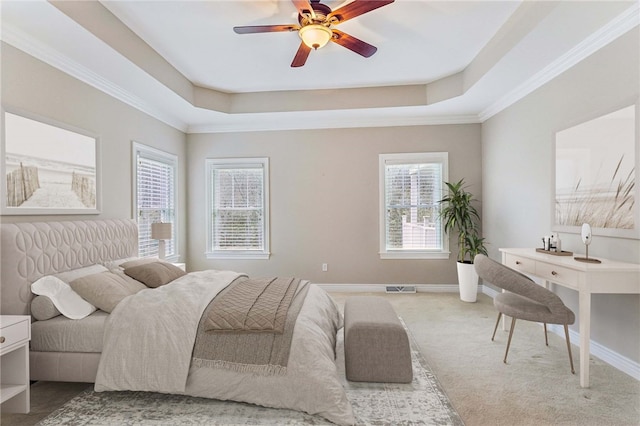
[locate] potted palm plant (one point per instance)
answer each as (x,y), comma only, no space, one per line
(459,215)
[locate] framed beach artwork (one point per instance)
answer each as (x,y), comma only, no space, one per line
(47,168)
(595,175)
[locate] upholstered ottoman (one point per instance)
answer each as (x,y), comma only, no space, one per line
(376,345)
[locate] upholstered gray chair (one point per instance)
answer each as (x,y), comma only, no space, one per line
(523,299)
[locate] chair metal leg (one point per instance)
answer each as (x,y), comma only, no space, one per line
(496,327)
(566,334)
(546,339)
(513,325)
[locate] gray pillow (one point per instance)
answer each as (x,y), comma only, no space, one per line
(42,308)
(139,261)
(155,274)
(132,284)
(105,290)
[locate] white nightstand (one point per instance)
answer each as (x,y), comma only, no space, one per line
(14,363)
(182,266)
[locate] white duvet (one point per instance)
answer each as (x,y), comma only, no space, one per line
(149,338)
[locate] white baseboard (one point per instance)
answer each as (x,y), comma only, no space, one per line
(380,288)
(612,358)
(489,291)
(607,355)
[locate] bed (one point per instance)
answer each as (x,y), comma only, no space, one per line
(158,339)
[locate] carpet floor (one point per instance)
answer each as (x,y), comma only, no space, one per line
(534,388)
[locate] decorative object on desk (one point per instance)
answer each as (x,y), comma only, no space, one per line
(586,239)
(551,243)
(458,214)
(555,243)
(595,176)
(555,253)
(161,231)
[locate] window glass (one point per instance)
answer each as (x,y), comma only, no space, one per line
(411,186)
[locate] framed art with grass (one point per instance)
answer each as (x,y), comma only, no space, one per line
(595,175)
(47,167)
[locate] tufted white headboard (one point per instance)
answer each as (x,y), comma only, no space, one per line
(32,250)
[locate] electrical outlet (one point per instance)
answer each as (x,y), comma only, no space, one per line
(325,267)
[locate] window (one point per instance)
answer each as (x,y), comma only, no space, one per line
(238,208)
(410,188)
(155,197)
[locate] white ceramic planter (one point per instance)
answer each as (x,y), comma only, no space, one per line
(468,282)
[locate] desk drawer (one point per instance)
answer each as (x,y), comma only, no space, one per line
(557,274)
(14,333)
(521,264)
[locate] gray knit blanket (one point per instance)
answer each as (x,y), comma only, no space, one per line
(251,305)
(249,326)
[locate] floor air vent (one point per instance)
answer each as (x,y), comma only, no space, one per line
(400,289)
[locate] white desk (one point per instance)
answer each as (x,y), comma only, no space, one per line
(610,277)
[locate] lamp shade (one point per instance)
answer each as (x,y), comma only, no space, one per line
(161,231)
(315,35)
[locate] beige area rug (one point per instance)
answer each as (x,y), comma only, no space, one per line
(421,402)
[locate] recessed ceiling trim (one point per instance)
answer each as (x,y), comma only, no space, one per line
(619,26)
(276,125)
(22,41)
(361,116)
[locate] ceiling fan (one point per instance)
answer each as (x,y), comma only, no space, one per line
(316,21)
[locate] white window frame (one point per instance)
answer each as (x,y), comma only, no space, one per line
(154,154)
(409,158)
(214,163)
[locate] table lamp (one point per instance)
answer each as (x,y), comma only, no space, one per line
(161,231)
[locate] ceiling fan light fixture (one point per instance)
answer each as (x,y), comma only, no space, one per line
(315,35)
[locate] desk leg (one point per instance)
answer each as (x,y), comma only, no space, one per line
(584,311)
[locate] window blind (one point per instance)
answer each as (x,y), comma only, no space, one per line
(155,202)
(238,208)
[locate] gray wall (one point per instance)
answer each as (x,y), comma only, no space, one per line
(37,88)
(324,183)
(518,165)
(324,199)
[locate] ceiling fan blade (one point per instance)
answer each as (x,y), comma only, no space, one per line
(356,8)
(265,29)
(304,8)
(353,44)
(301,55)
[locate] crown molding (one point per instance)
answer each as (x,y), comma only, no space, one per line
(22,41)
(619,26)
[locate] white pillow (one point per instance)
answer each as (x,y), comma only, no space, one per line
(68,302)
